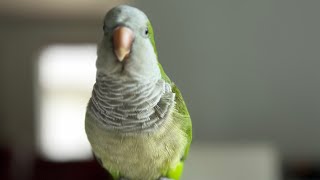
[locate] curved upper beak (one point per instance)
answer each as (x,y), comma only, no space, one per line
(122,42)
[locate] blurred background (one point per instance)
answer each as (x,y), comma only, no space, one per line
(248,70)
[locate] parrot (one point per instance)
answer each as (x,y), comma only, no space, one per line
(136,121)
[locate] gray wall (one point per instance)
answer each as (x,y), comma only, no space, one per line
(249,70)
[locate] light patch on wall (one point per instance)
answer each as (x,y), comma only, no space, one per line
(66,74)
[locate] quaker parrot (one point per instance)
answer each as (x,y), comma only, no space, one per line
(136,121)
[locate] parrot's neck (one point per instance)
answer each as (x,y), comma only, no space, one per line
(131,106)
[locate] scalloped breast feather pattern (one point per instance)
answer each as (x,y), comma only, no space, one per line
(129,106)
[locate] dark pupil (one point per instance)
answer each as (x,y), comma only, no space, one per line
(146,31)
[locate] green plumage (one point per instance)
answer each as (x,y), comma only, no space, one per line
(145,155)
(181,111)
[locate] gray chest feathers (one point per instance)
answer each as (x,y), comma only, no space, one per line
(138,156)
(133,129)
(130,106)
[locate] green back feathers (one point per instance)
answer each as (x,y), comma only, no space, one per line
(180,104)
(181,109)
(151,37)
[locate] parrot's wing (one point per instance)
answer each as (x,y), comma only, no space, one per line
(182,110)
(184,113)
(186,125)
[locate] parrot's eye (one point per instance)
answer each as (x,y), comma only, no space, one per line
(146,31)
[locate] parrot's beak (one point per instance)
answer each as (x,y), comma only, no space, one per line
(122,42)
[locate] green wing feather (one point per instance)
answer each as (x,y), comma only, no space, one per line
(186,125)
(184,114)
(181,113)
(151,37)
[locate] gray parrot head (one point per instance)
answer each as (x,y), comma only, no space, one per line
(126,50)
